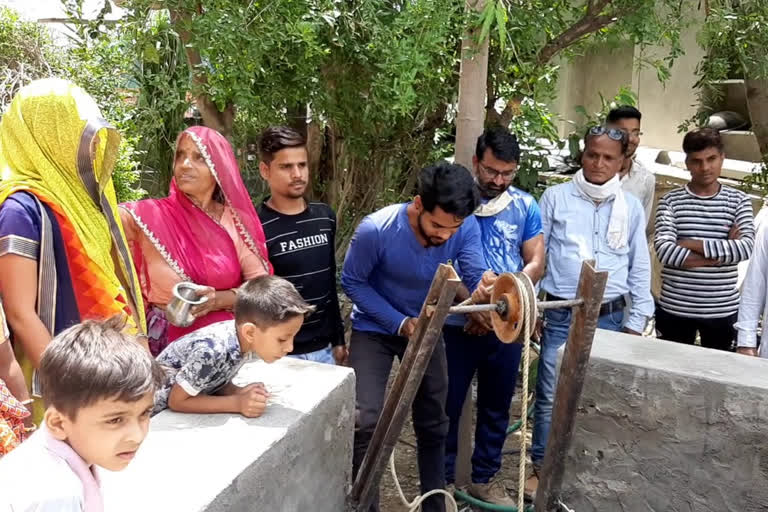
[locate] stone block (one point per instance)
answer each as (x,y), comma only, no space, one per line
(669,427)
(296,457)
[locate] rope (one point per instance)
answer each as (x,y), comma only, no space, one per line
(530,313)
(416,503)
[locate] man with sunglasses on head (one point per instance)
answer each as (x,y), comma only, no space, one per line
(587,218)
(510,226)
(634,176)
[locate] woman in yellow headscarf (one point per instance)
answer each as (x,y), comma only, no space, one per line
(63,253)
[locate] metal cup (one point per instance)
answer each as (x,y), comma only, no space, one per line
(185,296)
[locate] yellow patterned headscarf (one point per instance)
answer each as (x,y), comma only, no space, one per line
(55,144)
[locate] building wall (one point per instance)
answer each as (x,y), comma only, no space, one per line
(584,78)
(664,106)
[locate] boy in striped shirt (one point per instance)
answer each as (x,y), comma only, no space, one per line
(703,230)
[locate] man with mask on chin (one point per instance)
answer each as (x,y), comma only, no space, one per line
(389,267)
(590,217)
(512,241)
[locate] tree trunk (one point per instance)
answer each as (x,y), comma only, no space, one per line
(470,121)
(473,78)
(757,103)
(221,121)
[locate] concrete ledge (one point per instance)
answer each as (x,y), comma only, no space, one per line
(296,457)
(669,427)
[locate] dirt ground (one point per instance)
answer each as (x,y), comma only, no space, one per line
(407,469)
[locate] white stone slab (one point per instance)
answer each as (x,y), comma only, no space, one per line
(297,456)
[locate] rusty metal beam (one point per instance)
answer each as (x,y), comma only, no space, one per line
(398,403)
(573,370)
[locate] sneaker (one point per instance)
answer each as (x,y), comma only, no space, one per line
(531,485)
(493,492)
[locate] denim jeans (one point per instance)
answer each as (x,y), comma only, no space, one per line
(324,355)
(496,364)
(554,335)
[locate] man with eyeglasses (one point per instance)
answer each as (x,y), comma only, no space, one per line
(634,176)
(510,227)
(590,217)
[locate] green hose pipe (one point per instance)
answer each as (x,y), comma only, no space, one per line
(487,506)
(519,423)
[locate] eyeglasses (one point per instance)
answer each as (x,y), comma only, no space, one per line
(493,173)
(613,133)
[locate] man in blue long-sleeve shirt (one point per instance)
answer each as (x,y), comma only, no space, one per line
(387,273)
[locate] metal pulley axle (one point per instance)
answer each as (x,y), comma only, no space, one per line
(507,304)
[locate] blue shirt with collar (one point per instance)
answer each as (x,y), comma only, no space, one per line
(503,235)
(387,272)
(575,229)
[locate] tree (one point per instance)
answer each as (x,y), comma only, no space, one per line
(473,77)
(28,52)
(374,83)
(735,35)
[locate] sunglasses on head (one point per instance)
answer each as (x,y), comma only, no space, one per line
(612,133)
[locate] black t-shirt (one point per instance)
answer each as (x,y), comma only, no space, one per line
(302,250)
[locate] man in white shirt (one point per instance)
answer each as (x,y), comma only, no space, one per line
(635,178)
(753,302)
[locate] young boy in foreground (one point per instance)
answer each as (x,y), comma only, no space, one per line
(268,314)
(98,385)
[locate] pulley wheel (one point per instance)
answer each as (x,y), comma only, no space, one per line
(533,307)
(508,325)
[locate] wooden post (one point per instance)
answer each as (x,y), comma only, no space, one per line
(569,385)
(463,464)
(407,381)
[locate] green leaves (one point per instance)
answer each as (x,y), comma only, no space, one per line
(493,15)
(487,17)
(501,23)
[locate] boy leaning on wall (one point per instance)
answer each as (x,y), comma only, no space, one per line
(201,365)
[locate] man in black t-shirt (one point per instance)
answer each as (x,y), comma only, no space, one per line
(301,243)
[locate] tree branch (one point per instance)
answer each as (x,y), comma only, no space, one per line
(591,22)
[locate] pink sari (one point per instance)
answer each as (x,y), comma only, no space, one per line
(194,245)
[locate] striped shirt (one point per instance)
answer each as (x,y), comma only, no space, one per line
(702,292)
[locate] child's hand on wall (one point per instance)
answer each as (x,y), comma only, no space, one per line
(253,400)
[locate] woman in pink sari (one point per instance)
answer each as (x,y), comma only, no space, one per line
(206,232)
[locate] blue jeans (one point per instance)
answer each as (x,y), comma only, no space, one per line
(554,335)
(496,364)
(324,355)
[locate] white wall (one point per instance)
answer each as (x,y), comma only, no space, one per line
(664,106)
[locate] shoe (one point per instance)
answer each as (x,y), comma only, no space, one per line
(531,485)
(450,489)
(493,492)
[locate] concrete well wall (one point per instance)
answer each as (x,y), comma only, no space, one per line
(296,457)
(669,427)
